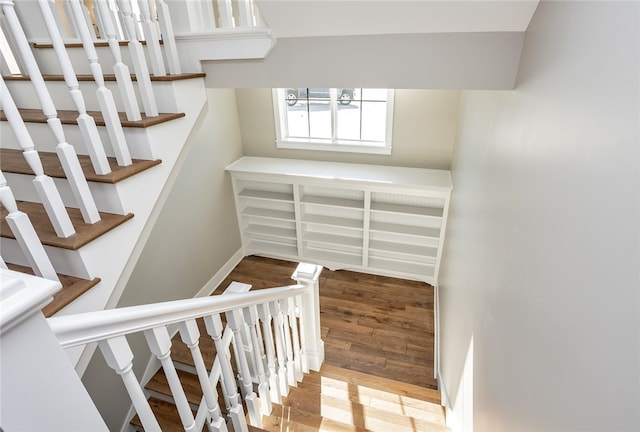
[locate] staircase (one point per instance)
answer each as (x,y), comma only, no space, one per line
(102,114)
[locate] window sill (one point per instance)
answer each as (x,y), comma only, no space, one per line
(319,146)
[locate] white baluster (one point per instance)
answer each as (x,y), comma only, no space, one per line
(46,188)
(280,352)
(235,321)
(245,13)
(251,318)
(65,151)
(103,94)
(119,357)
(123,76)
(160,345)
(274,383)
(25,234)
(152,37)
(295,339)
(214,328)
(225,13)
(190,336)
(286,328)
(168,38)
(308,275)
(303,340)
(86,123)
(139,62)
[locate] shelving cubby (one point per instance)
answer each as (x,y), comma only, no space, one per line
(377,219)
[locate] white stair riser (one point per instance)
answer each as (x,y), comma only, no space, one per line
(105,194)
(65,261)
(25,96)
(137,139)
(48,61)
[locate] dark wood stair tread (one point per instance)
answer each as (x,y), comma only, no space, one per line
(72,288)
(45,45)
(85,233)
(167,415)
(190,384)
(12,161)
(69,117)
(108,77)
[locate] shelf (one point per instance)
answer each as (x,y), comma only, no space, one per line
(274,248)
(401,267)
(403,248)
(405,229)
(333,221)
(271,231)
(269,213)
(266,195)
(317,237)
(334,202)
(406,209)
(335,257)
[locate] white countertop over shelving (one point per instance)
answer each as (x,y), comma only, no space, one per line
(379,174)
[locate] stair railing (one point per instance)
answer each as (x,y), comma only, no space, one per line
(86,123)
(25,235)
(103,94)
(66,153)
(109,329)
(139,61)
(44,185)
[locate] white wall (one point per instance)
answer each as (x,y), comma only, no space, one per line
(541,263)
(424,130)
(195,235)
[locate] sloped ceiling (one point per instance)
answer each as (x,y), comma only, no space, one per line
(312,18)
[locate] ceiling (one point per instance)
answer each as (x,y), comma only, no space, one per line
(312,18)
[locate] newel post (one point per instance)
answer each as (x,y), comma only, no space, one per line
(312,343)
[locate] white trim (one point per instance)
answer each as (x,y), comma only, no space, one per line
(221,274)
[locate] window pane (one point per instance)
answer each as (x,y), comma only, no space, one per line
(319,119)
(298,120)
(349,121)
(374,94)
(374,116)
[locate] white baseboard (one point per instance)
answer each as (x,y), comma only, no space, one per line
(217,279)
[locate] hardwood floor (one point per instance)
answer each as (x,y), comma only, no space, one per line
(373,324)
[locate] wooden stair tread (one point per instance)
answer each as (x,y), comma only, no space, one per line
(385,384)
(190,384)
(180,353)
(166,413)
(230,428)
(349,409)
(69,117)
(72,288)
(285,418)
(316,383)
(85,233)
(108,77)
(97,44)
(12,161)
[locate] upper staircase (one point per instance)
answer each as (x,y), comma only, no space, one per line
(97,107)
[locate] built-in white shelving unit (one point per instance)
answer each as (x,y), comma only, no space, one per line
(376,219)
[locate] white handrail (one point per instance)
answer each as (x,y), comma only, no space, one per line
(84,328)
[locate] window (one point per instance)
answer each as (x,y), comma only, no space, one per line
(334,119)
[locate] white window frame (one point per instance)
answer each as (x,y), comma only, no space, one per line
(284,142)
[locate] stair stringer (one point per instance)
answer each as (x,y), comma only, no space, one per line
(113,256)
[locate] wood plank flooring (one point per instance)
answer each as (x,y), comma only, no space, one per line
(377,325)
